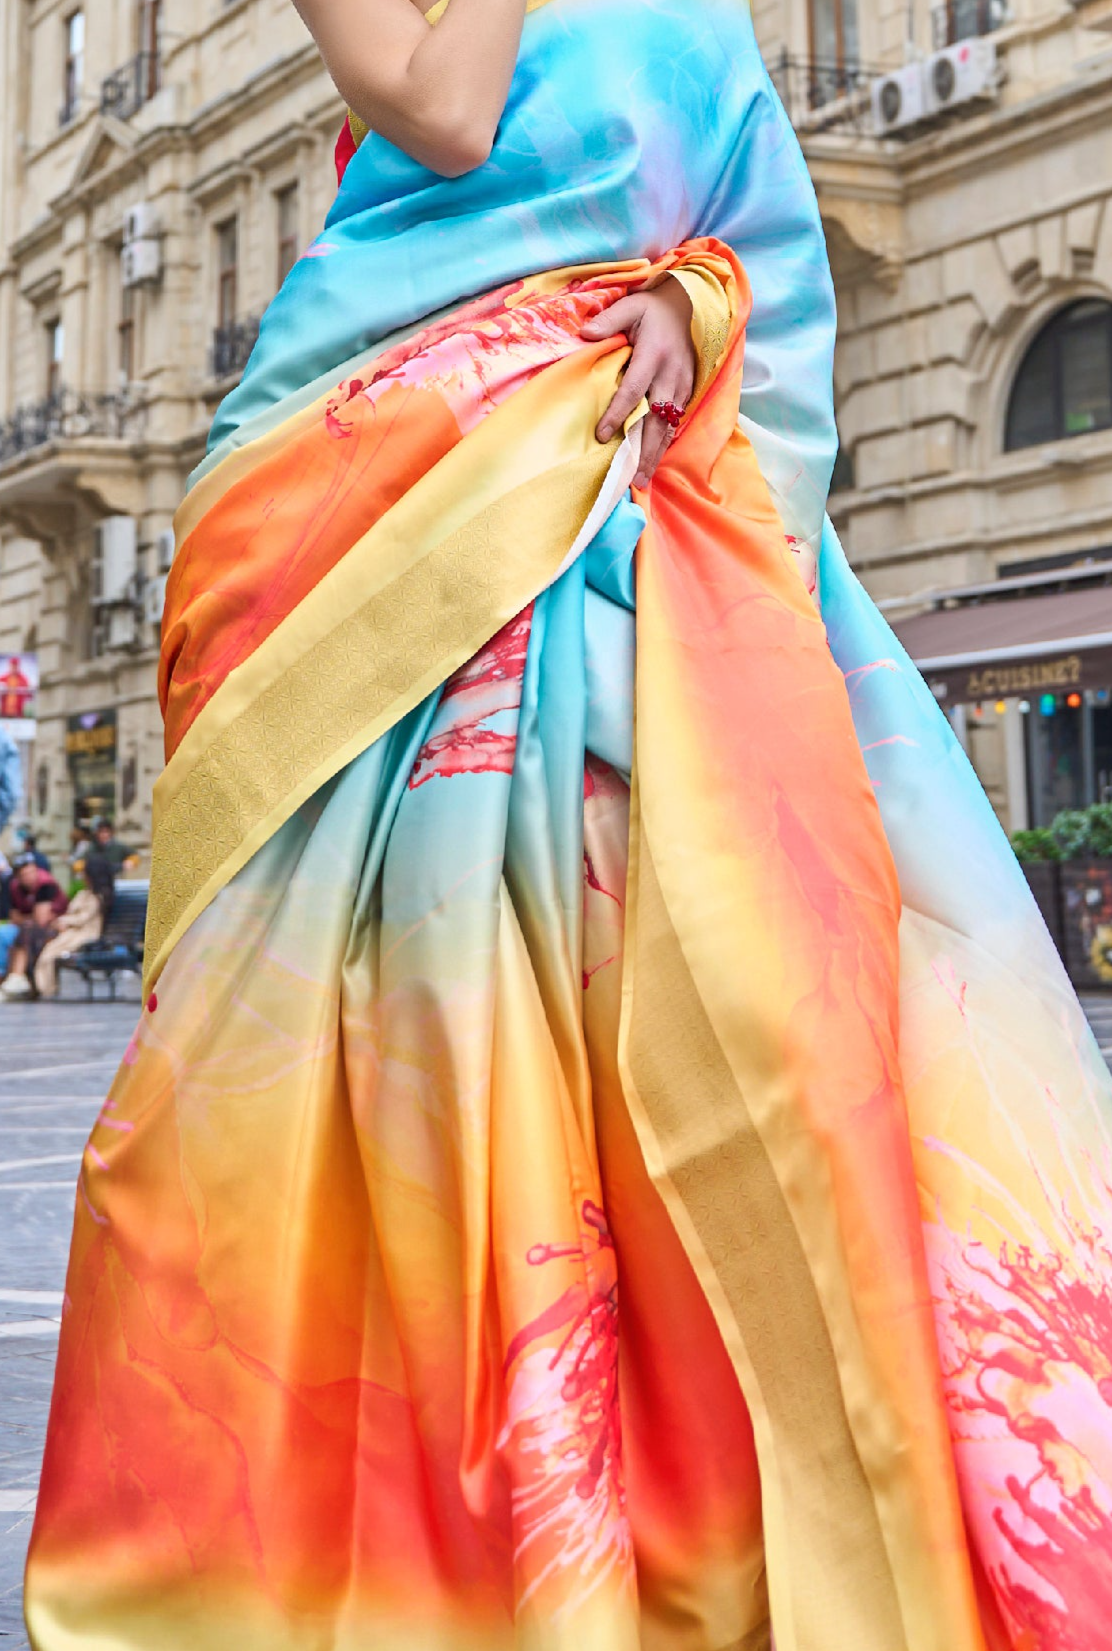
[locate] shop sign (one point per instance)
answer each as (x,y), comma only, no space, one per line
(1012,679)
(91,758)
(19,689)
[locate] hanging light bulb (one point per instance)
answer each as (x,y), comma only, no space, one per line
(1073,701)
(1001,707)
(1024,707)
(1047,705)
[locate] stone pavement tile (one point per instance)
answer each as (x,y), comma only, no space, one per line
(56,1063)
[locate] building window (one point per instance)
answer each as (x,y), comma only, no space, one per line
(55,352)
(125,336)
(286,204)
(956,20)
(834,37)
(150,47)
(74,72)
(227,271)
(1064,384)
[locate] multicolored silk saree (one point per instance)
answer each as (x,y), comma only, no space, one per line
(610,1160)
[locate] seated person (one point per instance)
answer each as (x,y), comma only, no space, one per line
(36,904)
(82,921)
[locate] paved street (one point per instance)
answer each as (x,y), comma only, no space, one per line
(56,1061)
(1099,1011)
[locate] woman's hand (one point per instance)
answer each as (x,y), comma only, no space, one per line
(662,366)
(438,93)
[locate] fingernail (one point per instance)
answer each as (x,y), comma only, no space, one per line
(605,431)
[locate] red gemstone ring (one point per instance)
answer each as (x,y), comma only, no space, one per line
(669,412)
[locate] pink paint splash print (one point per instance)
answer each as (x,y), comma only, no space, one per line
(485,689)
(1026,1342)
(563,1436)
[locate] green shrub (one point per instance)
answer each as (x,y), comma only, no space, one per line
(1100,829)
(1036,845)
(1070,830)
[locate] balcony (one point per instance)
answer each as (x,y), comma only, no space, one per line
(966,19)
(124,93)
(825,97)
(231,346)
(58,453)
(69,416)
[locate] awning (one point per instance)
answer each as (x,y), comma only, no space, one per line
(1023,645)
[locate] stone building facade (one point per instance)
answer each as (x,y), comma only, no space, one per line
(162,162)
(972,252)
(210,122)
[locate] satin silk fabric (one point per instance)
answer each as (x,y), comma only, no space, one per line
(617,1161)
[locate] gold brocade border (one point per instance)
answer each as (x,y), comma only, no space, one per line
(710,1166)
(708,329)
(439,574)
(352,686)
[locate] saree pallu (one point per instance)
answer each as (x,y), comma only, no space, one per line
(610,1158)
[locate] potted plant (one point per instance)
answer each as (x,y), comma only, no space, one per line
(1085,877)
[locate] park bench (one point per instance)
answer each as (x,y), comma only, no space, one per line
(120,948)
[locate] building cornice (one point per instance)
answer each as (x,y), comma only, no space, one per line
(210,121)
(1010,130)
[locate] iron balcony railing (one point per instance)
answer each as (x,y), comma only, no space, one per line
(70,415)
(124,92)
(965,19)
(231,346)
(825,97)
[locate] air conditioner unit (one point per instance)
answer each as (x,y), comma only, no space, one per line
(123,628)
(115,559)
(154,599)
(141,222)
(965,73)
(141,261)
(899,99)
(164,550)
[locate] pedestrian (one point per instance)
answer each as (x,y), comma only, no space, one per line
(108,845)
(82,921)
(609,1160)
(28,844)
(37,903)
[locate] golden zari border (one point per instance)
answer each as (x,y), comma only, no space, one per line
(710,1166)
(436,577)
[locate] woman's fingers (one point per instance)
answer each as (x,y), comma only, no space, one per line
(661,365)
(620,317)
(655,442)
(674,385)
(633,388)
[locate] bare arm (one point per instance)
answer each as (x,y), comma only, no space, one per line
(438,93)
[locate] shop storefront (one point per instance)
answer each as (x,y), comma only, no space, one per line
(1032,658)
(91,760)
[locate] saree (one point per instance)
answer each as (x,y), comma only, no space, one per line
(610,1158)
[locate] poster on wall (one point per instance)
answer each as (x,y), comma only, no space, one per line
(19,691)
(91,758)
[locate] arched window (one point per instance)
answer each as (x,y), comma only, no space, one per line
(1064,384)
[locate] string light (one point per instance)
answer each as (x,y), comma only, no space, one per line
(1048,704)
(1024,707)
(1073,701)
(1001,707)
